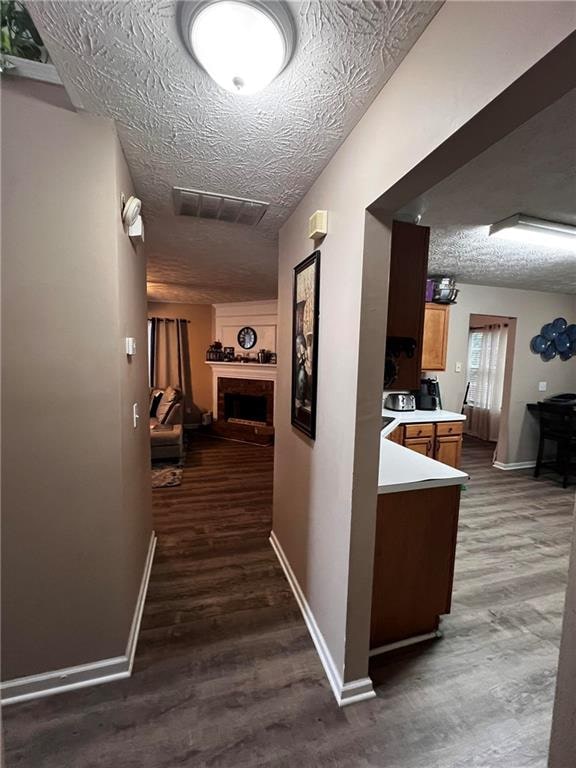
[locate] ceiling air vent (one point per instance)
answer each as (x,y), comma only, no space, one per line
(205,205)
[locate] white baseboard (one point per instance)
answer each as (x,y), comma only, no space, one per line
(139,610)
(345,693)
(406,643)
(83,675)
(516,465)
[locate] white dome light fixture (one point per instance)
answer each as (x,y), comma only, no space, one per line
(242,44)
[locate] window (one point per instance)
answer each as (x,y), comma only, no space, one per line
(475,341)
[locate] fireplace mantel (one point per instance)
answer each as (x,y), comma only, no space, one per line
(266,371)
(257,371)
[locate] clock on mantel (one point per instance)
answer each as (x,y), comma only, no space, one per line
(247,337)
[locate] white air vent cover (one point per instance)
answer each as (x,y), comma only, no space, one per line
(206,205)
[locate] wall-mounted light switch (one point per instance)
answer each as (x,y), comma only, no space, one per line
(130,345)
(458,367)
(135,415)
(542,386)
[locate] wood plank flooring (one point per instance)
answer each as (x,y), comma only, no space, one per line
(226,674)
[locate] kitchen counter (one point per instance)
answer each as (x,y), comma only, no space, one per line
(418,417)
(401,469)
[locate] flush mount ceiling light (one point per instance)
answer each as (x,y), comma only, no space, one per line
(527,229)
(242,44)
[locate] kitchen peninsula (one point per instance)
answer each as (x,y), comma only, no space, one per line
(416,528)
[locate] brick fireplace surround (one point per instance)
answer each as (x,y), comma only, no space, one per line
(246,387)
(261,433)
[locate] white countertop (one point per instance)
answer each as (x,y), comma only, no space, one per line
(402,469)
(418,417)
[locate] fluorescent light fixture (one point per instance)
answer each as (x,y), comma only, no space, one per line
(527,229)
(242,44)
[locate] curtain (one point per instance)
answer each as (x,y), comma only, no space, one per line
(170,357)
(486,368)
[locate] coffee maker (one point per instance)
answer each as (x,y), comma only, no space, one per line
(428,397)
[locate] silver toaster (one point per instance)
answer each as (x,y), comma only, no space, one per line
(400,402)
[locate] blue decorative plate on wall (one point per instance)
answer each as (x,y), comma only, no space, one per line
(538,344)
(549,332)
(556,339)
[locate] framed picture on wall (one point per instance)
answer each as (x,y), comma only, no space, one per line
(305,313)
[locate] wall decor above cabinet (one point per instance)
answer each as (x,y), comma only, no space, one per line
(441,290)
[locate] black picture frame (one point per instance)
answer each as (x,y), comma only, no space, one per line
(305,321)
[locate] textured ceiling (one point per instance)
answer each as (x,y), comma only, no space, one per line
(125,60)
(531,171)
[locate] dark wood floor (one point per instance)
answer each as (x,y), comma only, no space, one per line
(226,674)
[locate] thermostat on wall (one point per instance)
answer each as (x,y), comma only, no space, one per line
(130,345)
(318,225)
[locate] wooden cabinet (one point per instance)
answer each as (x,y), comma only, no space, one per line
(448,450)
(441,441)
(414,556)
(406,300)
(435,341)
(423,445)
(397,435)
(419,430)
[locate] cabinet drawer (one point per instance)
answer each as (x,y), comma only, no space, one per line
(419,430)
(449,428)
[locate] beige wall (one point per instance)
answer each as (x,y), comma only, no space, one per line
(325,491)
(531,309)
(75,496)
(200,336)
(260,315)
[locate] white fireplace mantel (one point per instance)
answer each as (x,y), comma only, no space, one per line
(258,371)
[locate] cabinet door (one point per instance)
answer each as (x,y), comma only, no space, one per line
(423,445)
(435,337)
(406,300)
(397,435)
(413,562)
(448,449)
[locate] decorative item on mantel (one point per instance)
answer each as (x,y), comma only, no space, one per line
(215,353)
(556,339)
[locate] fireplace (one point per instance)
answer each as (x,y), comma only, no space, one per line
(242,408)
(245,409)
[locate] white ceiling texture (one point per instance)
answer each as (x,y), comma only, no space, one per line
(125,60)
(530,171)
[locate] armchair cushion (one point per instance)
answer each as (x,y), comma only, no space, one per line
(155,397)
(170,397)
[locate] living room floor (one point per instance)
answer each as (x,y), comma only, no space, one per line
(226,673)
